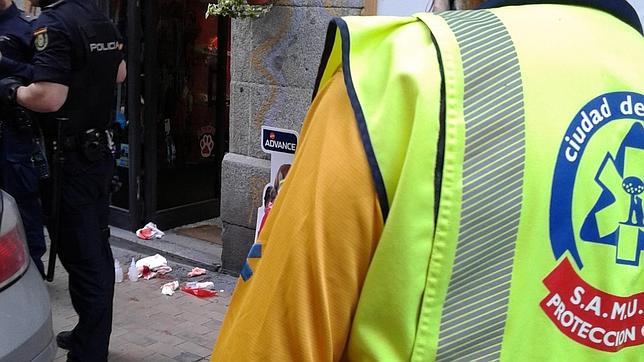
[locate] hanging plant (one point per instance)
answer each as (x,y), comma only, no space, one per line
(239,8)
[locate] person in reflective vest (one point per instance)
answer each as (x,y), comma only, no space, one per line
(463,191)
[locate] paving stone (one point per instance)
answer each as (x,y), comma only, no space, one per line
(187,357)
(147,325)
(166,338)
(192,318)
(191,347)
(156,357)
(139,340)
(168,350)
(126,351)
(205,342)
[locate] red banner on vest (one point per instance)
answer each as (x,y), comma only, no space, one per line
(590,316)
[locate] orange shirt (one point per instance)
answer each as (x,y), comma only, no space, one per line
(316,247)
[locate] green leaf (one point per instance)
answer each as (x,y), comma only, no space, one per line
(237,9)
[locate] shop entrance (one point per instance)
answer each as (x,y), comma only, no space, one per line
(170,162)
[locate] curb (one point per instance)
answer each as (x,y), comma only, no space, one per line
(177,248)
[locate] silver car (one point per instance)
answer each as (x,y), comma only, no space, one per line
(26,332)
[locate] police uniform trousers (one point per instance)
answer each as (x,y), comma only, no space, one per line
(21,180)
(85,252)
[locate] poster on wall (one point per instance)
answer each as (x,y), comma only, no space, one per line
(280,144)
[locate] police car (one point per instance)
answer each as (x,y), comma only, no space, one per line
(26,332)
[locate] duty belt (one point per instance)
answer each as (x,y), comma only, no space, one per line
(94,143)
(77,141)
(18,118)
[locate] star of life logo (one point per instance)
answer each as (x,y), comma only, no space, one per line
(596,211)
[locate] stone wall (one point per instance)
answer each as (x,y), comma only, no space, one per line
(274,64)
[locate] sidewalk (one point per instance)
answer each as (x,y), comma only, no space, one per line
(147,325)
(182,248)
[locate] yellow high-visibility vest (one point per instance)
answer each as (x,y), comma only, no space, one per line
(525,238)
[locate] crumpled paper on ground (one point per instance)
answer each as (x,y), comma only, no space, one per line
(148,274)
(149,231)
(151,266)
(200,289)
(201,293)
(196,272)
(169,288)
(200,285)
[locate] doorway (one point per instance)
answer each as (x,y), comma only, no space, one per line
(181,99)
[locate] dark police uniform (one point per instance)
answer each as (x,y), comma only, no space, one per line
(77,45)
(19,152)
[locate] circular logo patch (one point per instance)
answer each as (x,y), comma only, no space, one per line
(601,202)
(595,296)
(42,40)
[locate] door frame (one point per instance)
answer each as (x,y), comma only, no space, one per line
(143,171)
(130,218)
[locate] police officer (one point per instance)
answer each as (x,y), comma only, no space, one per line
(19,152)
(76,63)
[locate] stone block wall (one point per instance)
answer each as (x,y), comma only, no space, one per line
(274,64)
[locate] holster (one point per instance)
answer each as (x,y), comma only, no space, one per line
(23,124)
(19,119)
(94,144)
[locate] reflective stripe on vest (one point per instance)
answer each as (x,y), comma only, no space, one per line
(479,289)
